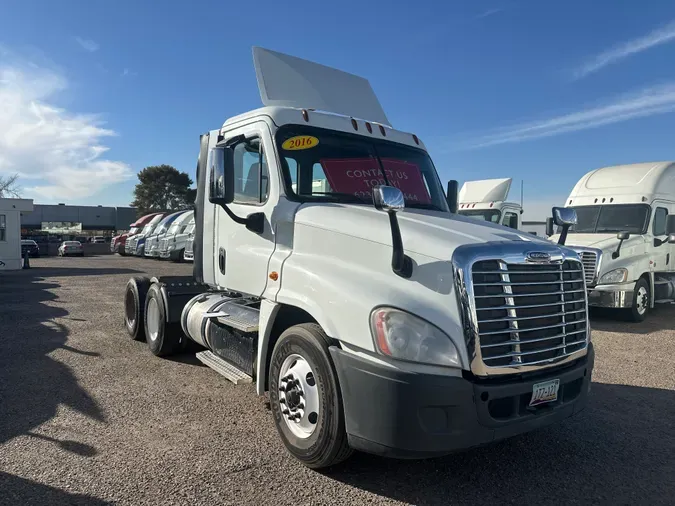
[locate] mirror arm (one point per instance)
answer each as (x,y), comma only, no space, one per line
(401,263)
(254,222)
(563,235)
(617,253)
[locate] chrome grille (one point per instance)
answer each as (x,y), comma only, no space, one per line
(529,314)
(590,261)
(188,246)
(164,244)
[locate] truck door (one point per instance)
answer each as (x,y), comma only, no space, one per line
(510,218)
(662,255)
(242,255)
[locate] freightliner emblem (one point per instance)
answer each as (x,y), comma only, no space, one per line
(538,256)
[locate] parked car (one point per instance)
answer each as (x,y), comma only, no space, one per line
(31,247)
(69,248)
(99,239)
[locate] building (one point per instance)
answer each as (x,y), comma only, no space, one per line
(62,219)
(10,231)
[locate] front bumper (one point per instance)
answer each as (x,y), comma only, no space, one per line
(408,415)
(613,296)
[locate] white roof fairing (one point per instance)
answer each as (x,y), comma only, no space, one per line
(625,183)
(485,190)
(288,81)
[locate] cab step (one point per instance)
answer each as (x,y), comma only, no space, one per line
(664,301)
(231,372)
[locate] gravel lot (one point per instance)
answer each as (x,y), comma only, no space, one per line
(88,416)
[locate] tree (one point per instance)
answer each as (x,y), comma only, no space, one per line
(9,187)
(163,188)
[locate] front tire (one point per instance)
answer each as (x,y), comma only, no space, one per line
(164,338)
(641,301)
(305,397)
(134,306)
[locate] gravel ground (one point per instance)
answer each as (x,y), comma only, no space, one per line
(88,416)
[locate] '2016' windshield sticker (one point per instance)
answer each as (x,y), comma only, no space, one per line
(300,142)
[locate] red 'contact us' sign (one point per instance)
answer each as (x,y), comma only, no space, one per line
(359,175)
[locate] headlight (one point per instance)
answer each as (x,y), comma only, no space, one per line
(615,276)
(171,246)
(403,336)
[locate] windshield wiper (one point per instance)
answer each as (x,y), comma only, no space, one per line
(351,196)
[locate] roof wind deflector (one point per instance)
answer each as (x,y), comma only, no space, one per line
(288,81)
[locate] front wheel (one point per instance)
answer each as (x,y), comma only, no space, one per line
(641,301)
(305,397)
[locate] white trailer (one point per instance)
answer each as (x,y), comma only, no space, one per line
(625,235)
(486,200)
(374,317)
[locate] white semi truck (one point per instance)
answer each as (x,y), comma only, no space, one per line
(486,200)
(172,245)
(376,318)
(625,235)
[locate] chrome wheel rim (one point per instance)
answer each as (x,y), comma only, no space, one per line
(152,318)
(642,300)
(298,396)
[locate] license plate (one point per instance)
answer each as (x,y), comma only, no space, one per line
(546,391)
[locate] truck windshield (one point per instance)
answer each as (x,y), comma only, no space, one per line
(614,218)
(324,165)
(491,215)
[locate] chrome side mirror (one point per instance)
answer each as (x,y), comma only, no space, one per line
(564,216)
(388,199)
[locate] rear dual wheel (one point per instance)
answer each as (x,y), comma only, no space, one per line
(164,338)
(145,318)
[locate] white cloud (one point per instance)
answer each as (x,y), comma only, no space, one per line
(620,51)
(489,12)
(58,151)
(87,44)
(646,102)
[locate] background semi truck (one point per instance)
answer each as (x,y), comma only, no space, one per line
(624,235)
(118,243)
(172,245)
(486,200)
(374,316)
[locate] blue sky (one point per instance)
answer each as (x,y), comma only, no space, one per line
(541,91)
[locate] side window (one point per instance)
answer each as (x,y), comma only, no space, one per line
(3,227)
(510,220)
(659,225)
(251,176)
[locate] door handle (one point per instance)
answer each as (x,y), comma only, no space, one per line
(667,258)
(221,260)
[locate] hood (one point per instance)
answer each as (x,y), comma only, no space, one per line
(600,241)
(430,233)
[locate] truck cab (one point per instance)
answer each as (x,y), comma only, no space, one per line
(374,316)
(135,244)
(486,200)
(118,243)
(624,235)
(172,245)
(152,242)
